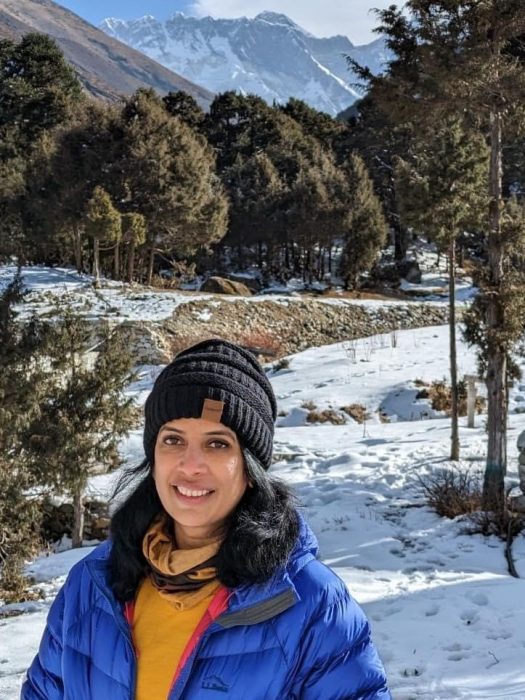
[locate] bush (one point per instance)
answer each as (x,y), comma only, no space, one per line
(455,492)
(440,395)
(357,412)
(329,415)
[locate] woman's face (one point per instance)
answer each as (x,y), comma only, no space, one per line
(200,477)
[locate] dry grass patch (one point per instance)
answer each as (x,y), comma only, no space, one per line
(356,411)
(440,395)
(329,415)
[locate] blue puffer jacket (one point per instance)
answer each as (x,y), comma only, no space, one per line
(300,635)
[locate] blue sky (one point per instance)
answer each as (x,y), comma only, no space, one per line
(97,10)
(352,18)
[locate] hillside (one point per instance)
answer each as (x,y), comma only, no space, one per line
(107,68)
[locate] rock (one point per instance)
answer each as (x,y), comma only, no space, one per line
(410,271)
(518,503)
(58,521)
(521,441)
(252,283)
(220,285)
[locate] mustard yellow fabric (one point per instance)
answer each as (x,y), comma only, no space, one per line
(159,549)
(160,634)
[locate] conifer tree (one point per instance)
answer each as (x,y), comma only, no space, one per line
(365,231)
(134,233)
(103,224)
(170,173)
(182,105)
(464,58)
(38,92)
(22,388)
(443,193)
(84,412)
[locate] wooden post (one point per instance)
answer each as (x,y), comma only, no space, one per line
(471,398)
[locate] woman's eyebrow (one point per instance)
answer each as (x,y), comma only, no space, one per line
(227,433)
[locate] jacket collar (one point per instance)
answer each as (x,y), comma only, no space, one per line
(256,602)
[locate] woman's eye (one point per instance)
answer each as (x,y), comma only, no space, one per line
(218,444)
(171,440)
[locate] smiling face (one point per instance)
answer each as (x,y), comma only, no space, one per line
(200,477)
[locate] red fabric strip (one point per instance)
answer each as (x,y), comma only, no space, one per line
(218,605)
(129,611)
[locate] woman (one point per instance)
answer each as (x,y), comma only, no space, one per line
(209,586)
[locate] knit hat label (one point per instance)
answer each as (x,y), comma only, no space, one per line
(212,410)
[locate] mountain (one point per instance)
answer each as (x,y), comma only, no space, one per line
(269,55)
(106,67)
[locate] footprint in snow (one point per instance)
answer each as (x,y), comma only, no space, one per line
(478,598)
(432,610)
(393,609)
(469,617)
(500,633)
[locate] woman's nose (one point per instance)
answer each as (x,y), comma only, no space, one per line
(192,461)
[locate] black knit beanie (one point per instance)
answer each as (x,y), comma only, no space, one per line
(221,372)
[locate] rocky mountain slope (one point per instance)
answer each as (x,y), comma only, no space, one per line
(106,67)
(269,55)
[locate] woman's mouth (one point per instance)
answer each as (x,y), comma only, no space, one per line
(191,495)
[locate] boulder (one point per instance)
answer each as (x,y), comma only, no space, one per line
(410,271)
(252,283)
(220,285)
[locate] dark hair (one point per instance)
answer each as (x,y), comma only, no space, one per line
(261,531)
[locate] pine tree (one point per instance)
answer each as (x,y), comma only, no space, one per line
(84,412)
(365,230)
(134,233)
(22,387)
(38,92)
(170,173)
(103,225)
(443,193)
(182,105)
(255,188)
(464,58)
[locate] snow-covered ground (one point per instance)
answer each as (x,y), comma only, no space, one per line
(120,302)
(447,618)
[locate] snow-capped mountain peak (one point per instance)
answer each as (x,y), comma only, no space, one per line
(269,55)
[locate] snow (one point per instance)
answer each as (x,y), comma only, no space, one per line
(114,300)
(446,616)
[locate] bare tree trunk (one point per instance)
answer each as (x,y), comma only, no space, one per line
(77,242)
(151,262)
(96,262)
(117,261)
(454,437)
(131,261)
(78,524)
(496,353)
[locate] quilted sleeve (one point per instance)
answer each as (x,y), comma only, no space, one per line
(338,660)
(44,676)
